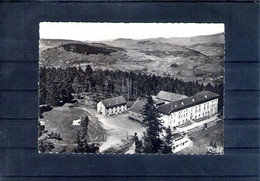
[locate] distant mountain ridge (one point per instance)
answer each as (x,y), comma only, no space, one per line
(191,59)
(187,41)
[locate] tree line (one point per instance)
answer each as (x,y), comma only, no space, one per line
(58,85)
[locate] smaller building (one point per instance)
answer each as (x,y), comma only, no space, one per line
(180,142)
(115,105)
(135,111)
(76,122)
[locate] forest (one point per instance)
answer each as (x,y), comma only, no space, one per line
(58,86)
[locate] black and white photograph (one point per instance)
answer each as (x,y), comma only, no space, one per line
(131,88)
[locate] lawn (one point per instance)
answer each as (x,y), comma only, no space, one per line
(59,120)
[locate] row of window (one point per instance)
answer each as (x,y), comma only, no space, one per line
(195,117)
(197,109)
(181,144)
(179,122)
(116,110)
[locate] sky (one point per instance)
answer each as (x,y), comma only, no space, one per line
(112,31)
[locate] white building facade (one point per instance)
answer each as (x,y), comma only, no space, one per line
(198,107)
(112,106)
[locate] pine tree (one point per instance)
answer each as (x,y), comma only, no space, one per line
(82,139)
(168,138)
(154,127)
(138,144)
(167,142)
(84,127)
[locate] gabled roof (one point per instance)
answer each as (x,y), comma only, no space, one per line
(138,106)
(115,101)
(169,96)
(198,98)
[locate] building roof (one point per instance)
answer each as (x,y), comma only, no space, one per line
(138,106)
(198,98)
(158,102)
(130,103)
(169,96)
(115,101)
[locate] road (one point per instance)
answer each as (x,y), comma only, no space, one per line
(118,128)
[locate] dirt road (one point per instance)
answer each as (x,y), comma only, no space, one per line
(118,128)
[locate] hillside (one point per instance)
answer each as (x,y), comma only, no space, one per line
(63,53)
(190,59)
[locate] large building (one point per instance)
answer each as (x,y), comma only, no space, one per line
(195,108)
(115,105)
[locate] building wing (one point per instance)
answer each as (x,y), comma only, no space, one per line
(198,98)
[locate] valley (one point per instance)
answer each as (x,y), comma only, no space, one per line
(190,59)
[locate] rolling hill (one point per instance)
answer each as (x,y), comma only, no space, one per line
(190,59)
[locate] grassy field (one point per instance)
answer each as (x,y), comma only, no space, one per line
(59,120)
(201,140)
